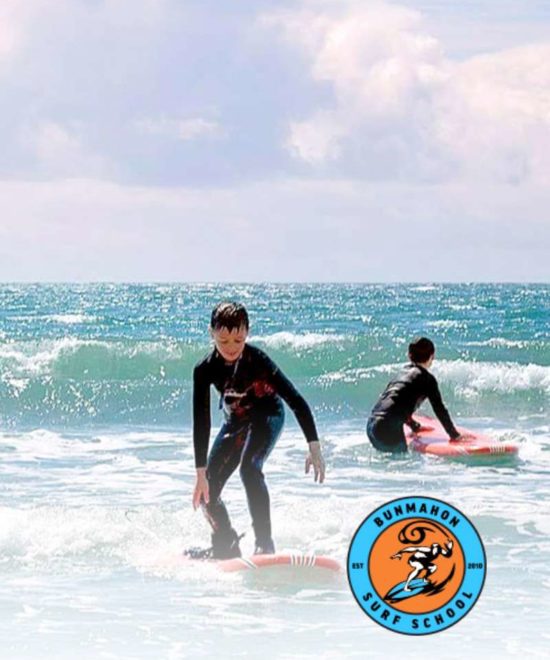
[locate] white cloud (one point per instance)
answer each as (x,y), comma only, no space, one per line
(61,151)
(190,129)
(53,142)
(182,129)
(13,17)
(317,139)
(401,104)
(494,115)
(7,40)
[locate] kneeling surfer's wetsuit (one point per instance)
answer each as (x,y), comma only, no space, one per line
(398,402)
(250,396)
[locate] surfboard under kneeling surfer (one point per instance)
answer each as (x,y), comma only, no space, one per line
(251,389)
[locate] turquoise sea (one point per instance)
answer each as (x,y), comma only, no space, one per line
(96,467)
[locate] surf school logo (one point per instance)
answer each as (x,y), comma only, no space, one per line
(416,565)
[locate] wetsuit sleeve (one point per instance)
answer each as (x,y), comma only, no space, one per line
(296,402)
(442,414)
(201,415)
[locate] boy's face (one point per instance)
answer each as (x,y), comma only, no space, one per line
(230,343)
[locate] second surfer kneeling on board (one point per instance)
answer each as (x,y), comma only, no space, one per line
(251,387)
(403,396)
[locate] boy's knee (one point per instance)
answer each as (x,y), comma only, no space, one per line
(249,471)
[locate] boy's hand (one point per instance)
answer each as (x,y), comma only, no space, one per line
(315,458)
(201,488)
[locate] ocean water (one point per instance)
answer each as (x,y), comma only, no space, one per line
(96,467)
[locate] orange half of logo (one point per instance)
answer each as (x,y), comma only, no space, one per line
(416,565)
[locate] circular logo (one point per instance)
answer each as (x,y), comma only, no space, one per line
(416,565)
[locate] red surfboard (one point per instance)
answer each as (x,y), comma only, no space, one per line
(280,559)
(433,439)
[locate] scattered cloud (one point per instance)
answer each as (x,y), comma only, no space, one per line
(182,129)
(352,135)
(61,151)
(13,17)
(403,109)
(318,139)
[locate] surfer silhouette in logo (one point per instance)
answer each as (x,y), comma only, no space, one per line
(423,559)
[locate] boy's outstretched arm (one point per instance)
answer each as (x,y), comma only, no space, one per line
(201,492)
(315,459)
(301,409)
(201,434)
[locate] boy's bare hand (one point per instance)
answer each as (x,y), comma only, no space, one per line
(315,458)
(201,489)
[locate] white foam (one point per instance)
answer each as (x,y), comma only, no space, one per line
(45,444)
(469,378)
(32,358)
(501,342)
(298,341)
(358,374)
(72,319)
(447,323)
(473,378)
(66,562)
(149,540)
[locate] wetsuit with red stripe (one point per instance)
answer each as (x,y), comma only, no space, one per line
(251,393)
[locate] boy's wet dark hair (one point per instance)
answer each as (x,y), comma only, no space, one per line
(230,315)
(421,349)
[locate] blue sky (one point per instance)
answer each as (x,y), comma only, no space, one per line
(285,141)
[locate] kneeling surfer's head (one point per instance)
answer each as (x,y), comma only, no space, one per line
(422,351)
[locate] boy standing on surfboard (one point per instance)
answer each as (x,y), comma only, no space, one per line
(403,396)
(251,387)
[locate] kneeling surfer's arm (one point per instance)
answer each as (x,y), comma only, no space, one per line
(441,412)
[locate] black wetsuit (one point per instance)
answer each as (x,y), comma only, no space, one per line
(250,396)
(398,402)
